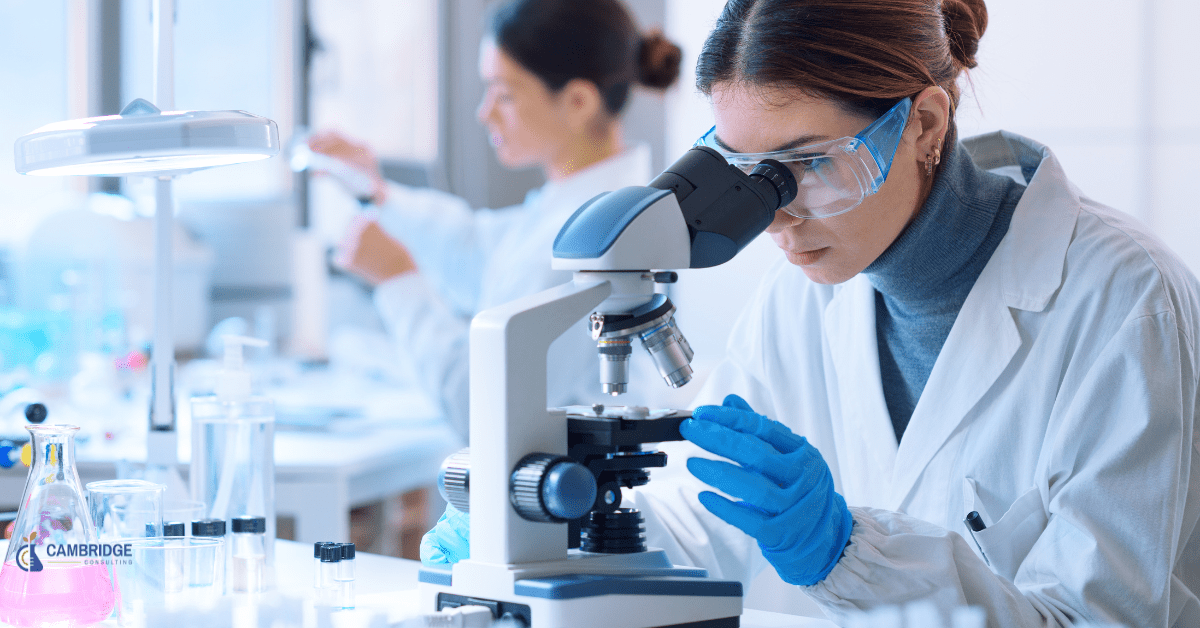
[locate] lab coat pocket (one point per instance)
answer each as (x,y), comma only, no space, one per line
(1007,541)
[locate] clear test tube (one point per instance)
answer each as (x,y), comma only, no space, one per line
(345,576)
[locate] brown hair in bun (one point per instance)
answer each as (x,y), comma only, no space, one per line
(596,40)
(658,61)
(965,20)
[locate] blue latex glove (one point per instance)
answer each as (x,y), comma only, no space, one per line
(788,503)
(450,539)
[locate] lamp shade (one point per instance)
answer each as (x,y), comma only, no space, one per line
(144,140)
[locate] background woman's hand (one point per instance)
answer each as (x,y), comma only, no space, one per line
(369,252)
(356,154)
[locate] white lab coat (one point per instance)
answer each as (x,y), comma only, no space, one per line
(471,260)
(1062,407)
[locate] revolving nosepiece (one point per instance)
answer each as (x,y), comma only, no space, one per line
(653,324)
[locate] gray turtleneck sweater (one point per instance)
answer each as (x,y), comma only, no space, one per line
(923,278)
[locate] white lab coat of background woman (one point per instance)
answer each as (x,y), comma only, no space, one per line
(1062,408)
(472,260)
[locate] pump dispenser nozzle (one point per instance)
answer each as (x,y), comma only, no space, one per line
(233,380)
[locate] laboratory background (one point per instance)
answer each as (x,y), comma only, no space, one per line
(1109,84)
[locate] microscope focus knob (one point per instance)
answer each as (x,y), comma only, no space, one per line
(454,479)
(551,488)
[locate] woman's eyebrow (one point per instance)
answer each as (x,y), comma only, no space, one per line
(799,141)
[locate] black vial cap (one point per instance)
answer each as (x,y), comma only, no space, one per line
(331,553)
(249,524)
(317,548)
(35,413)
(347,551)
(208,527)
(174,528)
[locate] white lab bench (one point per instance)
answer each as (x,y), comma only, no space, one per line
(393,443)
(319,476)
(386,582)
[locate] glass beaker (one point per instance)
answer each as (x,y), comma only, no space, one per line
(55,572)
(126,509)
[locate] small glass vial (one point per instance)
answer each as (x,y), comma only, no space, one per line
(331,555)
(174,532)
(345,576)
(248,554)
(317,584)
(205,572)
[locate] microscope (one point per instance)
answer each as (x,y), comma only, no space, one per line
(551,546)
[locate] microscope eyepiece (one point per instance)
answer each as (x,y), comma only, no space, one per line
(780,177)
(723,207)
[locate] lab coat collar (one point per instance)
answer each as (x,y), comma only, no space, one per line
(1032,258)
(1025,272)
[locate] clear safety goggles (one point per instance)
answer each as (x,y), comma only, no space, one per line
(833,176)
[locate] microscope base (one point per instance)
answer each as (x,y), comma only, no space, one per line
(644,594)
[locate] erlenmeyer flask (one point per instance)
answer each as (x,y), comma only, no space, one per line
(55,571)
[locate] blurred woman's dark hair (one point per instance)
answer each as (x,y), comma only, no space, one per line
(596,40)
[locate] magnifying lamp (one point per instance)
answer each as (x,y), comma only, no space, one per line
(154,141)
(144,140)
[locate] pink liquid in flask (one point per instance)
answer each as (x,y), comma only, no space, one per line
(74,596)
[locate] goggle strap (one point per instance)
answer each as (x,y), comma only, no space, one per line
(883,138)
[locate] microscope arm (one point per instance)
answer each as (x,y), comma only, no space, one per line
(509,419)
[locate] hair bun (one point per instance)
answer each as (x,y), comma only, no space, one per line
(965,20)
(658,61)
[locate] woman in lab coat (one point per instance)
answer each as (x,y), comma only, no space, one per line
(976,336)
(973,336)
(558,75)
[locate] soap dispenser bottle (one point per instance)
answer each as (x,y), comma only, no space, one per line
(233,448)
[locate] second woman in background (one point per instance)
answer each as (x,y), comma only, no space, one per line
(558,74)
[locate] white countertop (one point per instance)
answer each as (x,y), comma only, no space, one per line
(386,583)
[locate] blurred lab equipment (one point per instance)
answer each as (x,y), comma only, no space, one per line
(97,271)
(43,579)
(126,509)
(536,476)
(157,141)
(35,346)
(919,614)
(233,447)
